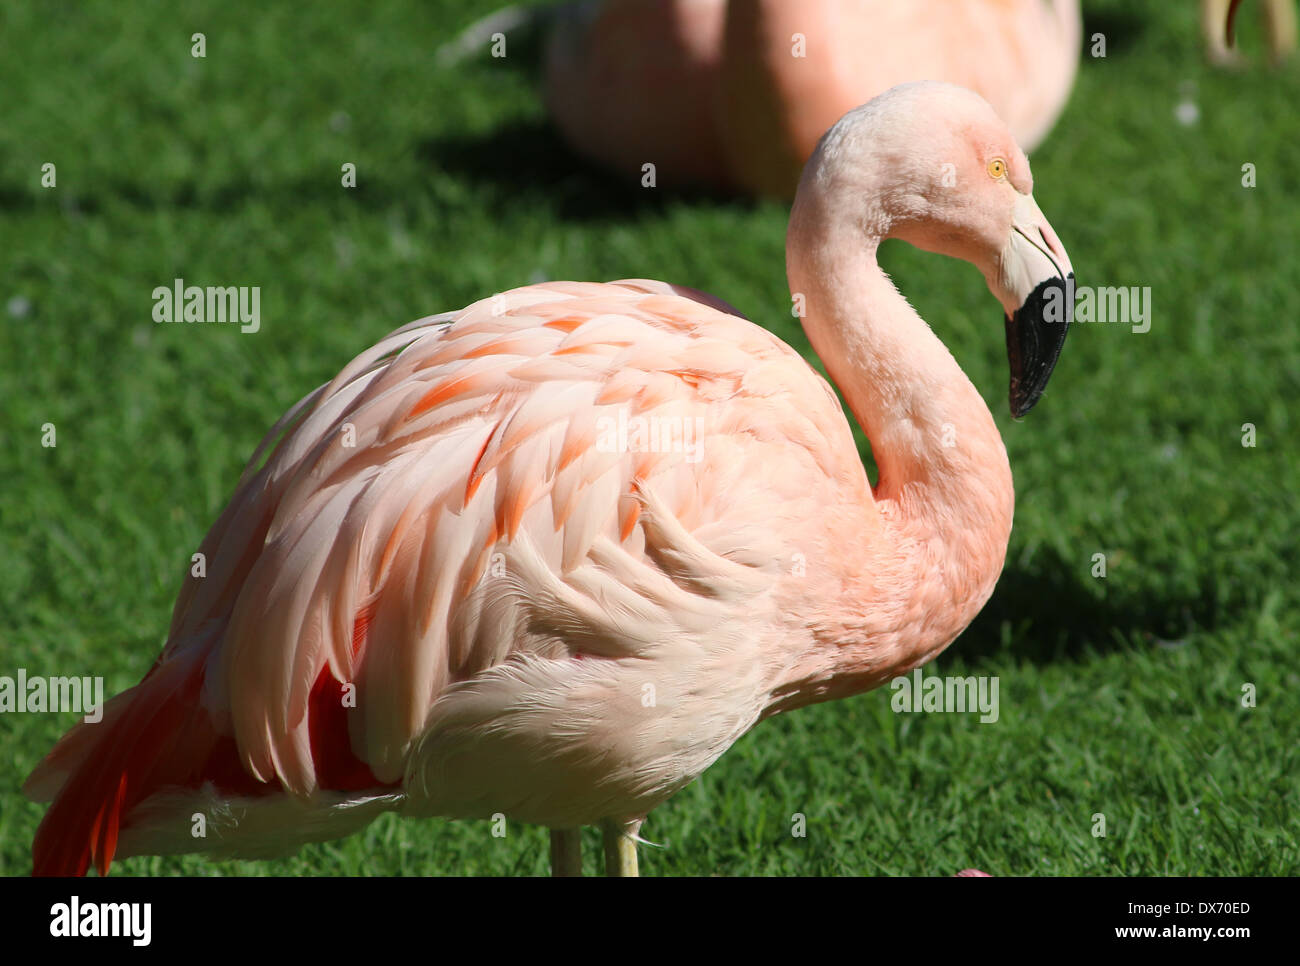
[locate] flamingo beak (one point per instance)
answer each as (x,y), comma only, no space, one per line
(1038,282)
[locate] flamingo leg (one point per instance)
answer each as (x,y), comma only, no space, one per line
(566,852)
(620,847)
(1280,28)
(1217,21)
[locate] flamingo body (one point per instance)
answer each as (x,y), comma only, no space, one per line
(551,555)
(635,82)
(535,623)
(736,93)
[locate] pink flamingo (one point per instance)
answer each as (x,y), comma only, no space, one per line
(1217,22)
(549,556)
(736,93)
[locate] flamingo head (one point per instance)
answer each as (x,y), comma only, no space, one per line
(945,174)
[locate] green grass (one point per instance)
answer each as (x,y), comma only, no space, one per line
(1119,696)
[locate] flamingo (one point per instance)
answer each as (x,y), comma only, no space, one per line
(1279,22)
(736,93)
(550,555)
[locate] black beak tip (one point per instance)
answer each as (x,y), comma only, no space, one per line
(1035,336)
(1022,402)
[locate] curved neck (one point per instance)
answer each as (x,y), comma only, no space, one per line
(944,498)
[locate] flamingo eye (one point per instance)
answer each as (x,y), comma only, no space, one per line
(997,168)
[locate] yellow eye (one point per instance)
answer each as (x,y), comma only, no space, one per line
(997,168)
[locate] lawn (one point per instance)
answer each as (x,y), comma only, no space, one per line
(1120,696)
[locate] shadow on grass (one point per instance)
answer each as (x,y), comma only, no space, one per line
(225,197)
(1055,611)
(527,162)
(1122,27)
(524,163)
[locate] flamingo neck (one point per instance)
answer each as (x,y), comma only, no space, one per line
(933,544)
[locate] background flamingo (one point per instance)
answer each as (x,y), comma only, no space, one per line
(1278,18)
(539,619)
(737,93)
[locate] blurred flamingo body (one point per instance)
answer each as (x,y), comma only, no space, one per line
(736,93)
(470,578)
